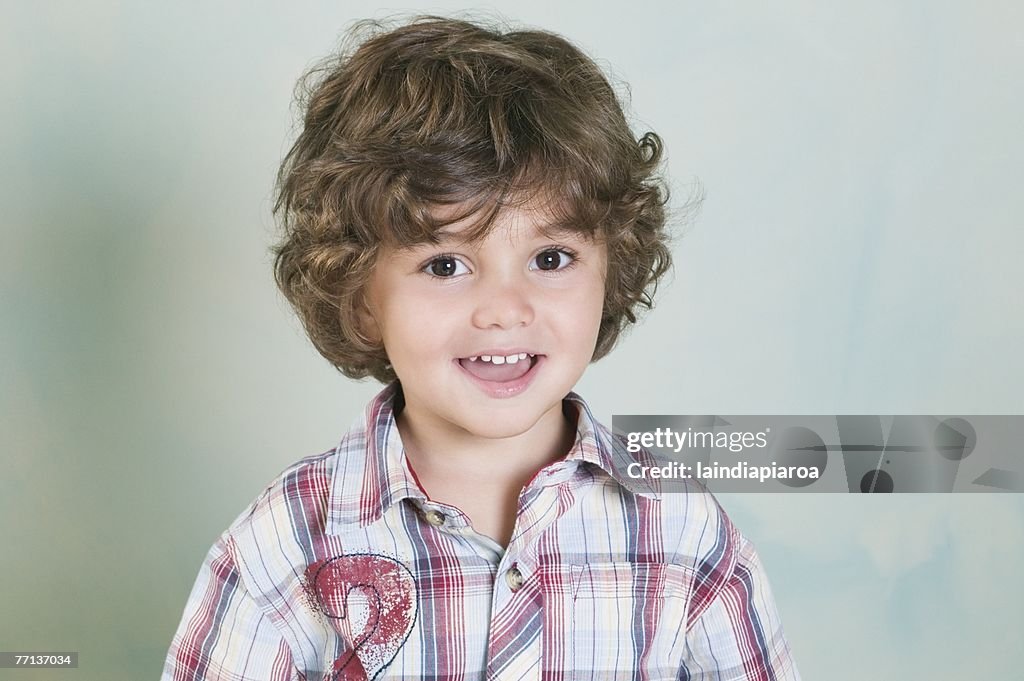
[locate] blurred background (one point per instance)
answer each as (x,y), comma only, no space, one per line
(857,252)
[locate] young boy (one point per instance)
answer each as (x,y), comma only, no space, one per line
(469,219)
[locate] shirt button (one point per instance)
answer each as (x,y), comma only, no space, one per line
(435,518)
(514,579)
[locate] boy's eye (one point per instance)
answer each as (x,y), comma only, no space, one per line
(551,260)
(445,266)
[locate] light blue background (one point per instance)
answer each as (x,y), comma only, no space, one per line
(857,253)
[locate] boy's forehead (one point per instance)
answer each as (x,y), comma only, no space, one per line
(513,228)
(529,220)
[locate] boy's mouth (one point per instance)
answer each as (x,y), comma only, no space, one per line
(499,368)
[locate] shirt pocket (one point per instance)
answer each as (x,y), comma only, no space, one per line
(627,620)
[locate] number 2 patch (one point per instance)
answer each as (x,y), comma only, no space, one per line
(372,600)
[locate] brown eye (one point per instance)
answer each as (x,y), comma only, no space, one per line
(444,267)
(552,260)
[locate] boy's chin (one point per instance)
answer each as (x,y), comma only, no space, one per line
(499,429)
(502,424)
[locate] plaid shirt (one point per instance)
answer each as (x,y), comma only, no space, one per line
(344,569)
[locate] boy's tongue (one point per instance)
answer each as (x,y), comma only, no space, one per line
(499,373)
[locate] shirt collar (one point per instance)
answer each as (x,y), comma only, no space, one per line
(371,472)
(597,445)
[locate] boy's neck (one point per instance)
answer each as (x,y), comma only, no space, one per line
(482,476)
(437,446)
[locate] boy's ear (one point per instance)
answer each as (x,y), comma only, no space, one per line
(367,323)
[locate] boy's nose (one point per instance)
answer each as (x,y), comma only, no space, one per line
(503,305)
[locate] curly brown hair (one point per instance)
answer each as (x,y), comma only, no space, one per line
(445,112)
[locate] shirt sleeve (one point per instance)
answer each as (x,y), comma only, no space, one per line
(224,635)
(739,636)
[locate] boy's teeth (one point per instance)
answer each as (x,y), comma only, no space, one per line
(500,359)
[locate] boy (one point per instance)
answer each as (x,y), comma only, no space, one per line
(469,219)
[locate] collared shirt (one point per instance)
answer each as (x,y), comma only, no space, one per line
(344,569)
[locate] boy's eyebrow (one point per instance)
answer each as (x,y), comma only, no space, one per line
(552,230)
(446,235)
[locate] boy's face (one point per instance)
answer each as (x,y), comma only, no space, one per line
(439,309)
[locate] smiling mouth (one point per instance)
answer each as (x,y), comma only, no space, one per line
(499,369)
